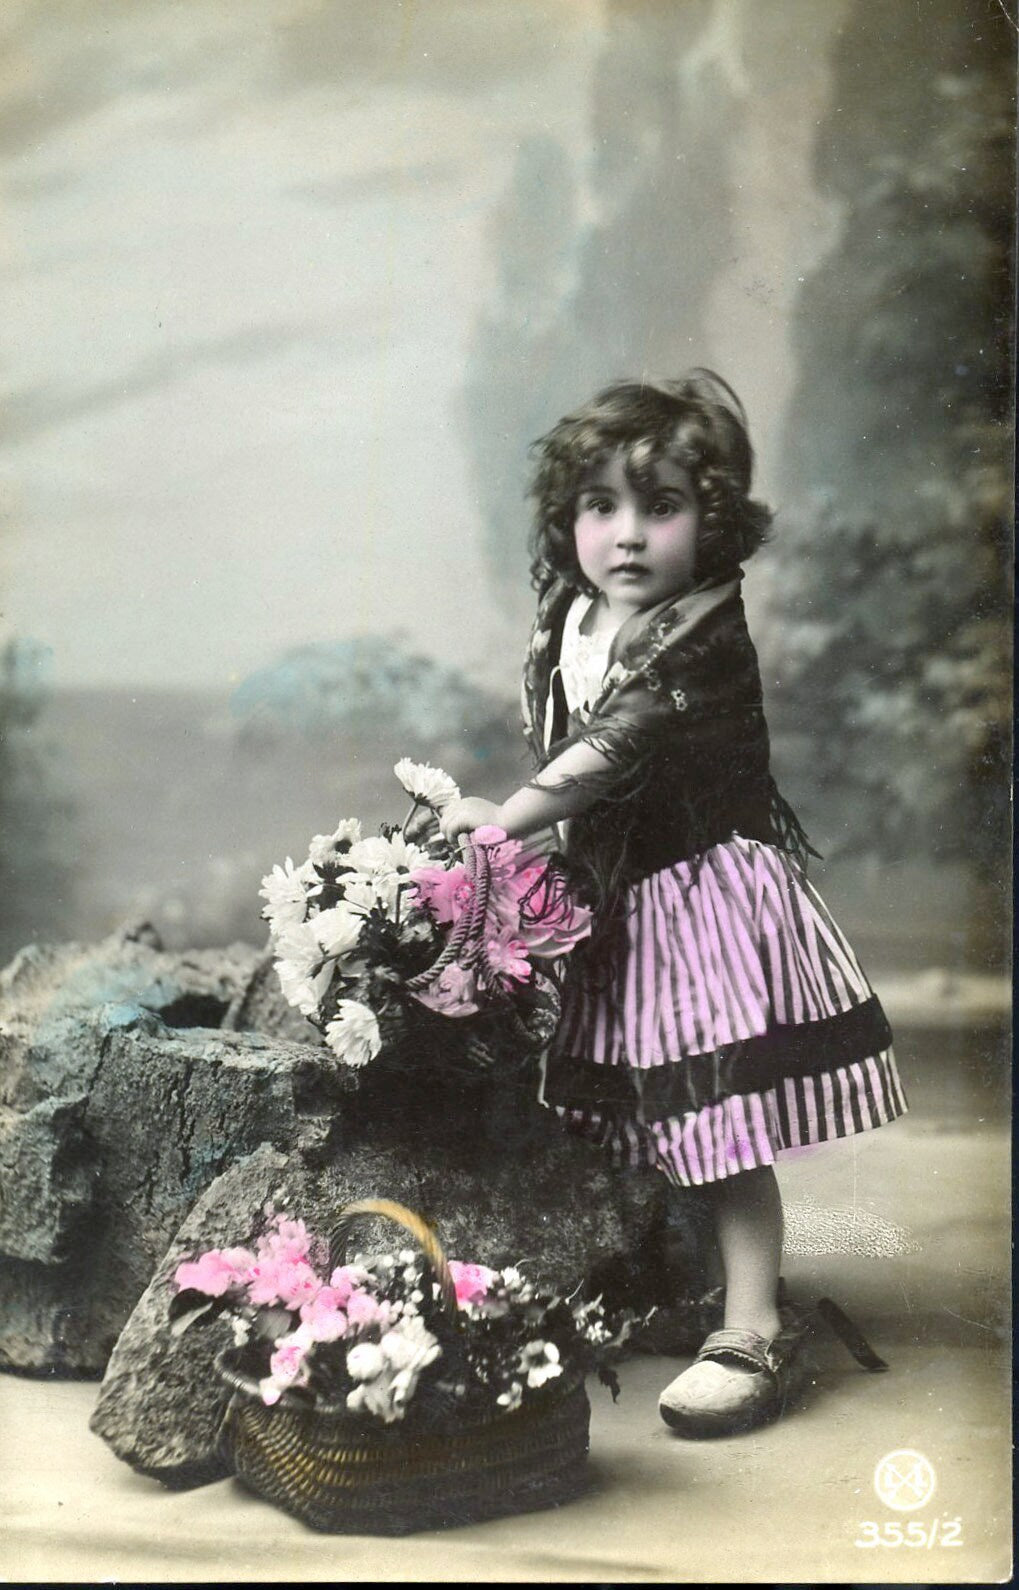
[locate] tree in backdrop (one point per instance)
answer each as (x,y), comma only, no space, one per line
(601,272)
(36,864)
(893,624)
(370,685)
(888,628)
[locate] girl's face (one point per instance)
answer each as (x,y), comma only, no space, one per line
(637,544)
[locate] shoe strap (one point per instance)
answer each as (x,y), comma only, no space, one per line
(737,1346)
(732,1345)
(849,1334)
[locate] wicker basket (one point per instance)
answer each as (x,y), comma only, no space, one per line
(342,1474)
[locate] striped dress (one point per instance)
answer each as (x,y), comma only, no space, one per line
(740,1024)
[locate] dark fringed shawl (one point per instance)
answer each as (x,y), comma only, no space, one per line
(681,724)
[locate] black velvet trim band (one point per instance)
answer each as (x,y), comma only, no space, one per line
(750,1066)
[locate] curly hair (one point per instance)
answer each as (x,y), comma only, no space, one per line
(698,422)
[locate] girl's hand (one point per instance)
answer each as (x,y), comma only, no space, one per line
(463,816)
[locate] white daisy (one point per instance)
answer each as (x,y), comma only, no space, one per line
(429,785)
(380,855)
(383,868)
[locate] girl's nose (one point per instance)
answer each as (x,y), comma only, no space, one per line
(630,528)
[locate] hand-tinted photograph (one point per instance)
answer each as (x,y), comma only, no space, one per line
(505,739)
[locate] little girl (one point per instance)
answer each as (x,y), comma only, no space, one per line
(717,1017)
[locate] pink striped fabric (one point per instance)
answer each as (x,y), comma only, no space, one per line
(752,1129)
(715,956)
(719,954)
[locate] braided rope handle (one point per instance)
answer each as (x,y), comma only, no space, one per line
(412,1223)
(466,943)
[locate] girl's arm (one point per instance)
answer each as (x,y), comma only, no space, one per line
(530,808)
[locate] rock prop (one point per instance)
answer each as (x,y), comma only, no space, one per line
(258,1006)
(133,1092)
(121,1098)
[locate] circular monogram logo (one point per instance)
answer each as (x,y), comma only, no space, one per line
(905,1480)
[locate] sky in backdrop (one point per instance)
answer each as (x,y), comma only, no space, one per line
(245,250)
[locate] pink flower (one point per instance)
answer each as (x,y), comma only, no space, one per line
(287,1367)
(454,993)
(503,853)
(285,1281)
(507,957)
(322,1319)
(287,1361)
(443,891)
(364,1310)
(216,1271)
(286,1239)
(343,1281)
(472,1281)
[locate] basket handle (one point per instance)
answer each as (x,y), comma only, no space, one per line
(465,942)
(412,1223)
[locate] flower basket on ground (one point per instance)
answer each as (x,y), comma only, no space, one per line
(426,956)
(399,1390)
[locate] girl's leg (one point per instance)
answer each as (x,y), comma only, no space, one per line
(729,1390)
(748,1224)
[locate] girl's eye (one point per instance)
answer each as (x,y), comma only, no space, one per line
(599,505)
(664,508)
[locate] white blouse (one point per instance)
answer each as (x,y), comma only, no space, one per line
(583,662)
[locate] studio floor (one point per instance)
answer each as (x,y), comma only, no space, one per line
(793,1503)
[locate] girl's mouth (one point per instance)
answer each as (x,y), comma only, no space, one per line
(629,568)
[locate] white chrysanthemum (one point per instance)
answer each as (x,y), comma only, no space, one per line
(298,952)
(354,1035)
(337,930)
(301,990)
(429,785)
(325,847)
(297,943)
(362,893)
(305,992)
(284,889)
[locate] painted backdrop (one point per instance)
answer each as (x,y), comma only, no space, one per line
(288,288)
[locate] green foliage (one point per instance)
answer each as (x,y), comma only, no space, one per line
(892,610)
